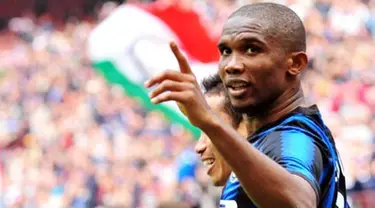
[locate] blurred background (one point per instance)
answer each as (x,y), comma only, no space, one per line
(71,137)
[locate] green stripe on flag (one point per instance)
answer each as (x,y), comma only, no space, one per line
(114,76)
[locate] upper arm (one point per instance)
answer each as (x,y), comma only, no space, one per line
(298,154)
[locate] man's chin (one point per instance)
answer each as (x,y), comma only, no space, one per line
(249,108)
(240,109)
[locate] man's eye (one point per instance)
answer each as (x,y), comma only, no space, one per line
(225,51)
(253,49)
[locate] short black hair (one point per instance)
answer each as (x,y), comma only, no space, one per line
(213,85)
(282,24)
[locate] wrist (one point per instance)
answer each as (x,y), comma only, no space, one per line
(211,122)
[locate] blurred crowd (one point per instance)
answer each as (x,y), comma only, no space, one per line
(68,139)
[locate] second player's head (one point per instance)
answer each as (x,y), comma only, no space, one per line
(217,168)
(262,50)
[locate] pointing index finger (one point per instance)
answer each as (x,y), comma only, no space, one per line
(182,62)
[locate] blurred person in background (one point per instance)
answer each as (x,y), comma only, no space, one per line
(216,166)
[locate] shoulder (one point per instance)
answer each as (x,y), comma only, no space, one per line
(288,142)
(305,120)
(303,126)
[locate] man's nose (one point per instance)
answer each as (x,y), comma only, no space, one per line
(235,65)
(201,145)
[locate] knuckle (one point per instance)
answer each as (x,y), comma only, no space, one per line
(165,84)
(168,72)
(168,83)
(190,78)
(161,86)
(166,96)
(190,94)
(190,86)
(163,75)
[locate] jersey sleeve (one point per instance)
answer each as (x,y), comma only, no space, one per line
(297,153)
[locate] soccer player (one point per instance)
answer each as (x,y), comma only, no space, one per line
(292,160)
(217,167)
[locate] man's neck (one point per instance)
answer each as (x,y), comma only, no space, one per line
(285,104)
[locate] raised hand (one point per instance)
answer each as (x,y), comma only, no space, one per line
(182,87)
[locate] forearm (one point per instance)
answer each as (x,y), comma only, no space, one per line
(266,182)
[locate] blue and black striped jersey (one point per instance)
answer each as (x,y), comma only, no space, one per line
(303,145)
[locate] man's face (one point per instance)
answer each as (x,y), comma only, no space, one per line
(252,64)
(217,168)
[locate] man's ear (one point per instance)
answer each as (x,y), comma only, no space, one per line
(297,63)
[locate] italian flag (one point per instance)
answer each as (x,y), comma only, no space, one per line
(131,45)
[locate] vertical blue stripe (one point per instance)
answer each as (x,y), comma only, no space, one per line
(231,190)
(297,154)
(297,145)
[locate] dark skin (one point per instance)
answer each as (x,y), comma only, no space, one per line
(257,63)
(251,56)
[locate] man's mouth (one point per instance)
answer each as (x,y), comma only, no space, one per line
(237,88)
(237,84)
(208,162)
